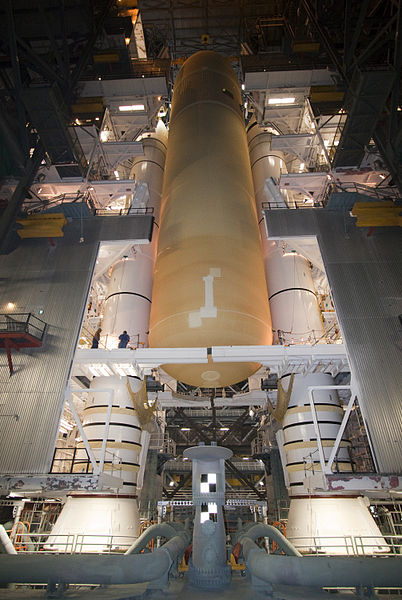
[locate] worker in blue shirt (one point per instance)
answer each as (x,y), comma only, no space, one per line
(124,339)
(96,338)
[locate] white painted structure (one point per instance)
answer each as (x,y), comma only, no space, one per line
(292,297)
(296,319)
(128,299)
(113,433)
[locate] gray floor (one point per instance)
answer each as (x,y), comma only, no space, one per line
(179,589)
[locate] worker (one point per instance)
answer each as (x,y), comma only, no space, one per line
(96,338)
(124,339)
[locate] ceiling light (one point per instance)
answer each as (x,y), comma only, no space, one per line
(10,305)
(171,483)
(288,100)
(245,457)
(104,135)
(184,428)
(131,107)
(224,429)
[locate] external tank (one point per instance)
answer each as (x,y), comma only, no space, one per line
(209,284)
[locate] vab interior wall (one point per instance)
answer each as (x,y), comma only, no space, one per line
(365,277)
(56,279)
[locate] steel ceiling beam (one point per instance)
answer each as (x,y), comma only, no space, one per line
(22,131)
(243,479)
(171,494)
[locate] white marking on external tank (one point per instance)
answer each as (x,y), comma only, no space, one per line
(209,310)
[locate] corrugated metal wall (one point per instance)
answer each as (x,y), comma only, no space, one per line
(365,276)
(56,279)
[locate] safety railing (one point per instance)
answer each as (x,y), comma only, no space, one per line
(123,212)
(272,205)
(22,323)
(348,545)
(69,462)
(31,543)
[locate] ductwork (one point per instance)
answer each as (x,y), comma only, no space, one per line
(320,571)
(253,532)
(105,570)
(158,530)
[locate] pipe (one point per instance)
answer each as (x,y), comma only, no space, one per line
(159,529)
(334,571)
(261,530)
(105,570)
(5,543)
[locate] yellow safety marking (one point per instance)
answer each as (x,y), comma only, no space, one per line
(313,444)
(118,467)
(317,467)
(123,445)
(318,407)
(104,409)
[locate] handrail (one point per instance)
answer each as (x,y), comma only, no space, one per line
(158,530)
(95,569)
(247,537)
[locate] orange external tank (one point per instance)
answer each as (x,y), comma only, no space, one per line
(209,284)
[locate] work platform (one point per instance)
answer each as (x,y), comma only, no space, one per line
(304,359)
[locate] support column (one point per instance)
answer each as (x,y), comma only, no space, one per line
(208,567)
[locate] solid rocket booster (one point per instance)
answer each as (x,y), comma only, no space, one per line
(209,285)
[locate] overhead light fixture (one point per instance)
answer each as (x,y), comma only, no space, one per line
(224,429)
(131,107)
(104,136)
(116,174)
(288,100)
(171,483)
(184,428)
(10,305)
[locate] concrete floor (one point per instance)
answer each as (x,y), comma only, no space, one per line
(179,589)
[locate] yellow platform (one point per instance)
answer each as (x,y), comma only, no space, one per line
(377,214)
(42,225)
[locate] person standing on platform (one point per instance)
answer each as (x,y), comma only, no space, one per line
(124,339)
(96,338)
